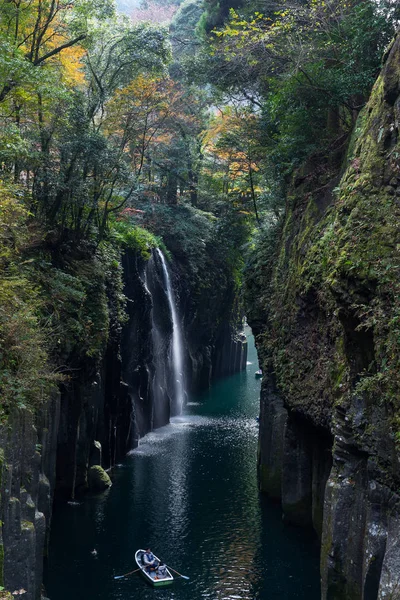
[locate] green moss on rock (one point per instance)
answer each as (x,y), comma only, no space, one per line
(27,526)
(98,479)
(332,303)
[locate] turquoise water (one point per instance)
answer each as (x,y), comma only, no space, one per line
(189,491)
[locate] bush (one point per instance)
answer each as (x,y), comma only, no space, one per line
(128,235)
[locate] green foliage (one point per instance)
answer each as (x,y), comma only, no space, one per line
(119,52)
(84,302)
(260,256)
(100,127)
(26,378)
(136,238)
(58,310)
(26,374)
(327,298)
(216,12)
(208,246)
(183,33)
(309,68)
(51,118)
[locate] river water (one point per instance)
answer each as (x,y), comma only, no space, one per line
(189,491)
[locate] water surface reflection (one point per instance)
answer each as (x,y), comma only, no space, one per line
(190,492)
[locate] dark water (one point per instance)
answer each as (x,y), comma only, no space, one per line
(190,493)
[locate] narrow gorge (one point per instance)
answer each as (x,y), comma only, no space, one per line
(176,178)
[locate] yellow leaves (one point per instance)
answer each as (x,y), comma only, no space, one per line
(12,218)
(72,66)
(143,97)
(147,117)
(40,33)
(243,36)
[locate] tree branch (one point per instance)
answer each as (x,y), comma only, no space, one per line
(38,61)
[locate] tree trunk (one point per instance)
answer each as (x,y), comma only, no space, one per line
(172,188)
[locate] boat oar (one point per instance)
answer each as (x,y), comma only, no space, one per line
(180,575)
(125,574)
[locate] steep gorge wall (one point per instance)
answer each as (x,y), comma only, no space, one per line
(216,343)
(28,458)
(325,313)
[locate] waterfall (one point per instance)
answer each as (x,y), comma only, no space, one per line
(177,343)
(166,367)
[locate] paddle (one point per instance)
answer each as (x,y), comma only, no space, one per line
(125,574)
(180,575)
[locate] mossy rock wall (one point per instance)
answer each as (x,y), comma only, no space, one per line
(327,324)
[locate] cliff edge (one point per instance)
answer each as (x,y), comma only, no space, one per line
(326,314)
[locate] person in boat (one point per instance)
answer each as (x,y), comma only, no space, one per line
(162,572)
(150,561)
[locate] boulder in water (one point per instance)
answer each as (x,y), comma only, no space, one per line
(98,480)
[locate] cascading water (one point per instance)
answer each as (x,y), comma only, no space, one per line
(177,343)
(167,366)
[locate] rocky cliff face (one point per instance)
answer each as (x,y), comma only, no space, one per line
(326,313)
(28,479)
(216,345)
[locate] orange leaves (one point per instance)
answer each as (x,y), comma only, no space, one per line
(229,139)
(233,154)
(137,112)
(147,117)
(39,32)
(144,99)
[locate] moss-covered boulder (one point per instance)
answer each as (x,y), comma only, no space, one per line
(98,479)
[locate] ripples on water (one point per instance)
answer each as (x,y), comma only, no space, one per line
(190,492)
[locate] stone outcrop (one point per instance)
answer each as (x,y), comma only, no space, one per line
(136,351)
(326,329)
(216,345)
(98,479)
(27,485)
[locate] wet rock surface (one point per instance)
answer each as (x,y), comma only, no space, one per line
(27,486)
(98,479)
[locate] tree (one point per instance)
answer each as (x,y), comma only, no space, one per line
(35,33)
(156,123)
(234,153)
(119,52)
(53,140)
(308,67)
